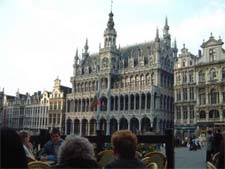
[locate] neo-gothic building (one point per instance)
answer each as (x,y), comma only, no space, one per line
(134,85)
(199,89)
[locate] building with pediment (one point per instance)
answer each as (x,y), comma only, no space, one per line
(134,86)
(199,89)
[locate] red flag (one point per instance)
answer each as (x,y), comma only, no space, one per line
(95,102)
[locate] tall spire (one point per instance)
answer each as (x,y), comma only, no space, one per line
(157,35)
(76,56)
(86,46)
(166,26)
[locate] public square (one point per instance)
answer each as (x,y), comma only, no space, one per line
(189,159)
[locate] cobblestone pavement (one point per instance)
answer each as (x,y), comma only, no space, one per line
(186,159)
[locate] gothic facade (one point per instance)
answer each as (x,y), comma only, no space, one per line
(199,89)
(133,85)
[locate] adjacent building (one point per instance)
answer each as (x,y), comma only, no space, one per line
(199,89)
(122,88)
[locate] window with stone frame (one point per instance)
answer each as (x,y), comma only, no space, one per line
(212,74)
(214,96)
(202,115)
(184,63)
(185,94)
(185,112)
(223,113)
(178,78)
(201,75)
(212,54)
(178,112)
(178,91)
(191,93)
(184,77)
(202,98)
(192,112)
(58,119)
(191,76)
(223,74)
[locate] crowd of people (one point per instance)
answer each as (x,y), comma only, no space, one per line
(73,152)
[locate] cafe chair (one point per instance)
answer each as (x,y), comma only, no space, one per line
(158,158)
(38,165)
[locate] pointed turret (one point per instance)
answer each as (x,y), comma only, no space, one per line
(166,27)
(110,33)
(85,53)
(157,40)
(75,65)
(175,50)
(166,35)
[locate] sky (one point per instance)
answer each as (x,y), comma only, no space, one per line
(39,38)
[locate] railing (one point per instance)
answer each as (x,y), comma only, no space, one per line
(100,140)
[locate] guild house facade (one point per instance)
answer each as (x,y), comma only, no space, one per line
(199,89)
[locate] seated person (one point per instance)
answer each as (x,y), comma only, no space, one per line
(50,150)
(124,144)
(76,152)
(27,145)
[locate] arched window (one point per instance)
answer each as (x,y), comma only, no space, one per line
(184,63)
(223,74)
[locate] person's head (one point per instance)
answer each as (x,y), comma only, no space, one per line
(12,151)
(75,147)
(25,136)
(124,143)
(55,135)
(209,132)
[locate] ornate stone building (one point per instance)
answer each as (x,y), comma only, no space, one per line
(134,86)
(199,89)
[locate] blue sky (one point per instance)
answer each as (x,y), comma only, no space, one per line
(38,38)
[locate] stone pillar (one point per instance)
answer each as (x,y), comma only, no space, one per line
(129,102)
(152,101)
(188,114)
(108,107)
(88,132)
(134,102)
(80,127)
(72,123)
(182,117)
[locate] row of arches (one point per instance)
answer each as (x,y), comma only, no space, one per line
(212,114)
(88,127)
(143,101)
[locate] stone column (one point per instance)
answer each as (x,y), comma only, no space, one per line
(88,132)
(108,107)
(140,101)
(182,117)
(80,127)
(146,102)
(129,102)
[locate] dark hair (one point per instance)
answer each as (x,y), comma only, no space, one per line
(124,143)
(55,131)
(12,151)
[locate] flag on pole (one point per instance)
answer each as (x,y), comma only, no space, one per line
(95,102)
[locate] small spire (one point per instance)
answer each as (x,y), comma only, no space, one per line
(219,37)
(157,35)
(184,45)
(86,46)
(111,5)
(175,43)
(110,23)
(166,26)
(99,45)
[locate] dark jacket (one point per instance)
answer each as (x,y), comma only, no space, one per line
(126,163)
(77,163)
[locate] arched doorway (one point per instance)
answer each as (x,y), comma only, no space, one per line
(123,123)
(134,125)
(93,127)
(145,124)
(76,126)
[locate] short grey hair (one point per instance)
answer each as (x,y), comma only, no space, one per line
(75,147)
